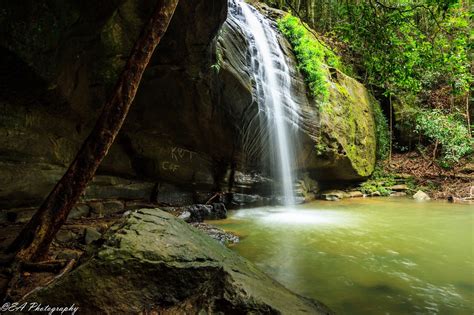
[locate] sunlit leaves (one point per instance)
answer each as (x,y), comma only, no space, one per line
(310,55)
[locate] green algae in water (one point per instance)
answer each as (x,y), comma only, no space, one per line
(366,256)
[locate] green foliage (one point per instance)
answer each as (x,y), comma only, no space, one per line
(219,60)
(452,48)
(372,186)
(216,67)
(320,147)
(403,47)
(448,131)
(310,55)
(377,185)
(380,181)
(382,132)
(418,51)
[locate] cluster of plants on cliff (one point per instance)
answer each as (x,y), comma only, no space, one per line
(310,54)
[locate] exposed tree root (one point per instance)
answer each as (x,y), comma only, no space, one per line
(68,267)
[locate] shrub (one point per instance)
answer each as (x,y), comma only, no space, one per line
(379,181)
(448,131)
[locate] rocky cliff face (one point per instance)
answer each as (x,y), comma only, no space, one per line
(337,142)
(183,137)
(58,62)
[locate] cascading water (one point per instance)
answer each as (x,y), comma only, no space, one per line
(272,90)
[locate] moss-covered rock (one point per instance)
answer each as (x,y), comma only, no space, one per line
(153,262)
(345,142)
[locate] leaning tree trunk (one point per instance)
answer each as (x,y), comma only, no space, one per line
(33,242)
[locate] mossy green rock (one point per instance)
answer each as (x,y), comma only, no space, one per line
(344,138)
(152,261)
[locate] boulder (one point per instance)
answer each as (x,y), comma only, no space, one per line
(248,200)
(97,208)
(344,133)
(399,187)
(200,212)
(113,207)
(20,215)
(421,196)
(308,188)
(106,208)
(355,194)
(152,262)
(91,235)
(216,233)
(65,236)
(79,211)
(333,195)
(219,210)
(398,194)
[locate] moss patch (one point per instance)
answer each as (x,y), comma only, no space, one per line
(348,118)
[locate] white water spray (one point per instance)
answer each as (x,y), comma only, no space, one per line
(273,88)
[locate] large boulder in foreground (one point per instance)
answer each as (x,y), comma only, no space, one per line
(152,262)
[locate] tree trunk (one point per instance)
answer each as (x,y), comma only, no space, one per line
(468,114)
(391,128)
(33,242)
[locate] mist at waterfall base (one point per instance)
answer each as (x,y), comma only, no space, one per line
(366,255)
(278,113)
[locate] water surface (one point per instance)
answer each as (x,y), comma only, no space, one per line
(366,256)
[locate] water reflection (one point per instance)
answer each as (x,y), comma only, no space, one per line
(284,216)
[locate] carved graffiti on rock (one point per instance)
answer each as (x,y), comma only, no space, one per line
(169,166)
(179,154)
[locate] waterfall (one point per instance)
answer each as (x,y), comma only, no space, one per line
(277,111)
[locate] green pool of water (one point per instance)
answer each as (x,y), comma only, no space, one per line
(366,256)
